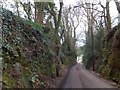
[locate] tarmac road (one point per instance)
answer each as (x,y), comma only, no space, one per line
(79,77)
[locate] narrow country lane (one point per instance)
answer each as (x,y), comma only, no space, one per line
(82,78)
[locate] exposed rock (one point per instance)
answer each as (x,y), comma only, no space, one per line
(26,53)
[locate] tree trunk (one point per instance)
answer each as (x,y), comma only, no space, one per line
(108,17)
(58,40)
(118,8)
(17,7)
(39,7)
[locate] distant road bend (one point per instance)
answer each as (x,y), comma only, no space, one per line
(79,77)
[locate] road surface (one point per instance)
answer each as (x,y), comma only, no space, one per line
(79,77)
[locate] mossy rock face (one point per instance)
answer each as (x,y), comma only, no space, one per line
(26,49)
(8,82)
(106,71)
(16,76)
(107,68)
(111,69)
(115,75)
(116,57)
(29,44)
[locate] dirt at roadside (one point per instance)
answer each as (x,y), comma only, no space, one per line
(64,72)
(104,79)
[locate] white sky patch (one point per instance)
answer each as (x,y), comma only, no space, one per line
(113,13)
(80,59)
(70,2)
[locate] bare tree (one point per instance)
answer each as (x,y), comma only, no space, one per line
(27,9)
(17,8)
(93,15)
(108,18)
(39,11)
(71,19)
(57,21)
(118,5)
(118,8)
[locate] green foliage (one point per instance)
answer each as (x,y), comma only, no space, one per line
(86,53)
(98,42)
(68,56)
(110,66)
(106,71)
(80,51)
(98,49)
(34,25)
(28,50)
(107,53)
(8,81)
(29,53)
